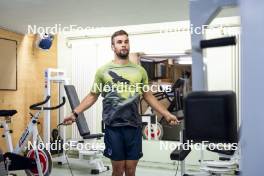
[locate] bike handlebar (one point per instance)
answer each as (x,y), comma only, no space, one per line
(38,107)
(40,103)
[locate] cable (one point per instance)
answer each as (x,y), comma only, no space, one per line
(60,125)
(178,165)
(66,156)
(177,168)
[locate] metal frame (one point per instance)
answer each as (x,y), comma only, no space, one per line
(252,86)
(53,75)
(202,12)
(56,76)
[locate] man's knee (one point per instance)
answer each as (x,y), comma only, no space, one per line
(118,171)
(130,167)
(130,171)
(118,168)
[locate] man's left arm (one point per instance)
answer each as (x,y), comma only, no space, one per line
(157,106)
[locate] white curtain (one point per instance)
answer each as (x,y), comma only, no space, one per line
(223,63)
(83,68)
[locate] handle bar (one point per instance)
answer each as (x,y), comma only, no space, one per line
(38,107)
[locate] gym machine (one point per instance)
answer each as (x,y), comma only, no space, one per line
(58,77)
(159,129)
(210,117)
(95,163)
(197,111)
(34,159)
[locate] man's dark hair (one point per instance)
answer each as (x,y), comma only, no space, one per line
(117,33)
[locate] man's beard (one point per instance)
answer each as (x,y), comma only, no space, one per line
(122,55)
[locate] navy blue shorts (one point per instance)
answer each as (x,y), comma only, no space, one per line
(123,143)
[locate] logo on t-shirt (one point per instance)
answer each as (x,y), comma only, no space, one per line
(117,78)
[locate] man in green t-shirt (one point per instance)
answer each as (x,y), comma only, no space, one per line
(121,83)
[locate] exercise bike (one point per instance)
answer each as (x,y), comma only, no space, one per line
(35,160)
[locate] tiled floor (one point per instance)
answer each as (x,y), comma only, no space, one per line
(79,168)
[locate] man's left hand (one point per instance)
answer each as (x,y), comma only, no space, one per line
(172,119)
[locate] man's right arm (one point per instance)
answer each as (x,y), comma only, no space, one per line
(86,103)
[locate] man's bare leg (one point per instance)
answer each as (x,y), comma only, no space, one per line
(130,167)
(118,167)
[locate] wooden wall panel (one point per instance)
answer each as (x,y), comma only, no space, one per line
(31,63)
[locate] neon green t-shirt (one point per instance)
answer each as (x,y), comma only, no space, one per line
(121,87)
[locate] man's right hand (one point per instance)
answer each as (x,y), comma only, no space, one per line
(69,119)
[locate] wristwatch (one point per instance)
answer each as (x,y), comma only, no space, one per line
(75,114)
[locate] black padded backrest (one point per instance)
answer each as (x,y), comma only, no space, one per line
(74,102)
(211,116)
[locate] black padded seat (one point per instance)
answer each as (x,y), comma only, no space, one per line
(6,113)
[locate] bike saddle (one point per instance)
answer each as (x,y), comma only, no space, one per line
(5,113)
